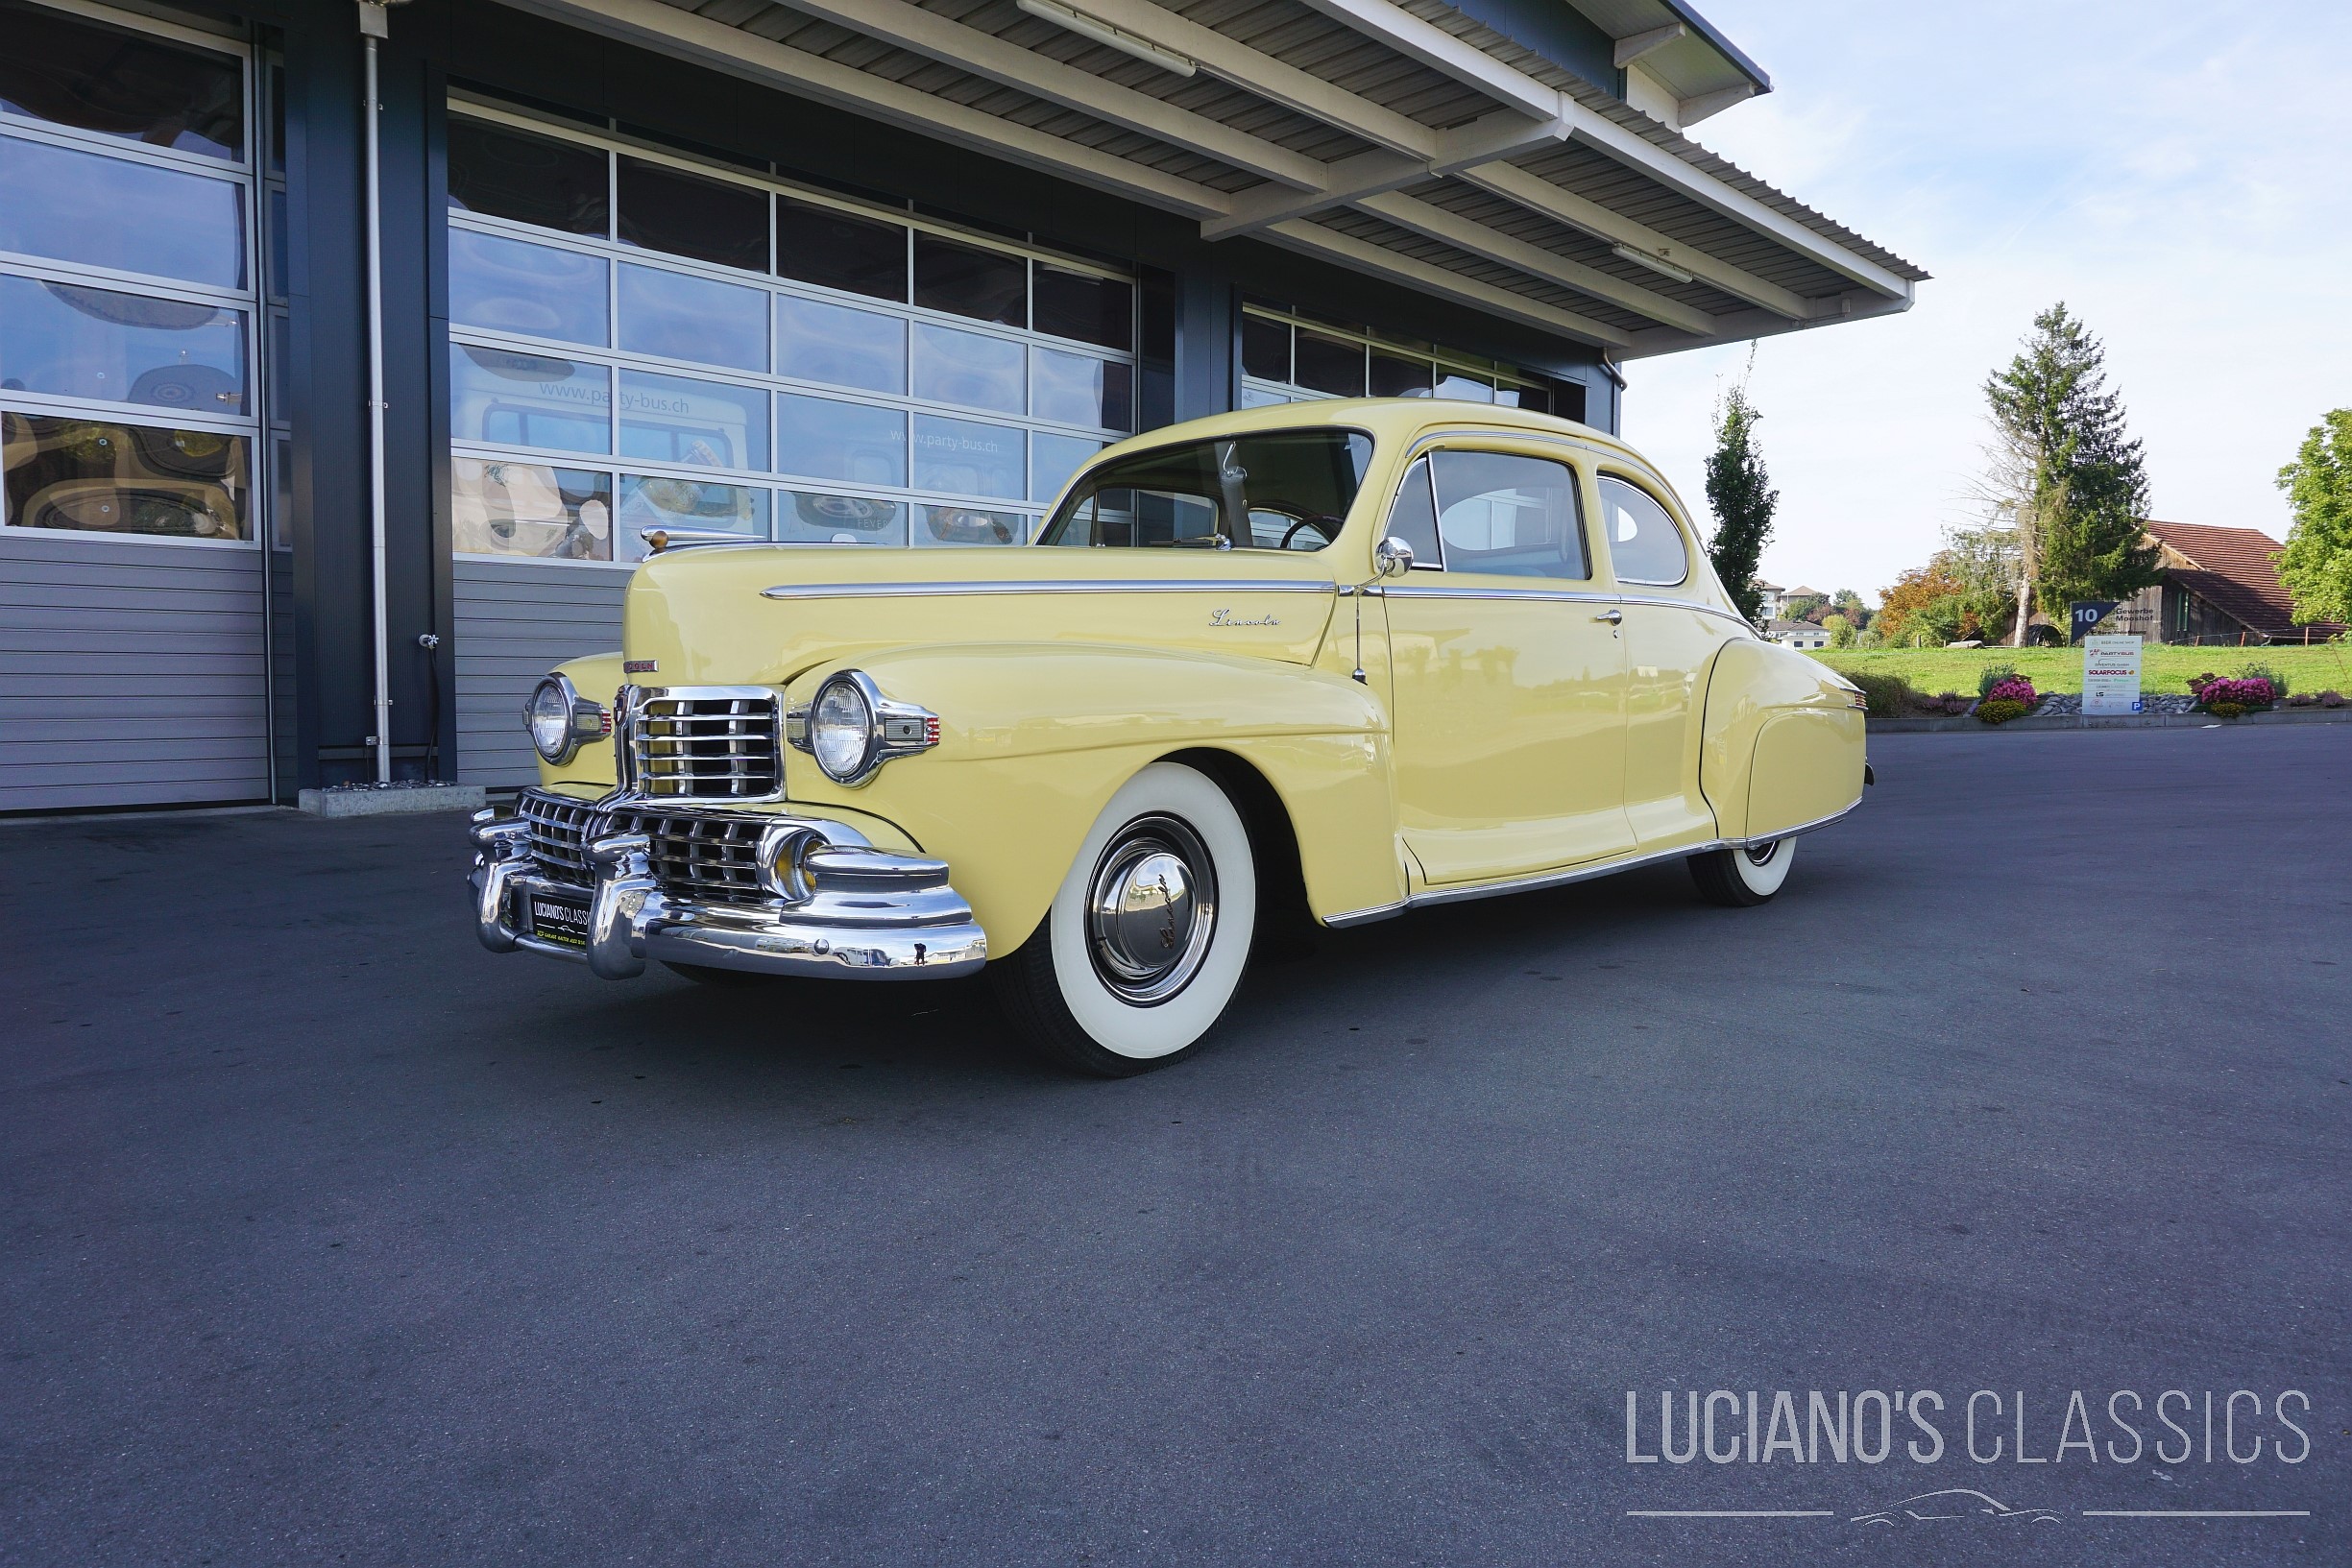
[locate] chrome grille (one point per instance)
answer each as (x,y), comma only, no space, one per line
(713,858)
(560,832)
(705,743)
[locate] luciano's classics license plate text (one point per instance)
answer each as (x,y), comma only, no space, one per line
(559,920)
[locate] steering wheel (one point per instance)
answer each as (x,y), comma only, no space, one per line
(1320,524)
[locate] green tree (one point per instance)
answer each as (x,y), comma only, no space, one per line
(1851,605)
(2316,563)
(2082,486)
(1840,630)
(1740,494)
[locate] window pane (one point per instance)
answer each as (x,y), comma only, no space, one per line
(1531,398)
(105,212)
(1330,365)
(967,368)
(710,219)
(533,180)
(1266,348)
(964,458)
(1521,516)
(1464,389)
(120,84)
(986,285)
(807,517)
(1644,545)
(1261,398)
(528,509)
(1077,389)
(711,425)
(510,400)
(679,317)
(1414,519)
(1053,459)
(821,439)
(99,477)
(1248,491)
(95,343)
(950,525)
(1395,377)
(1090,309)
(822,246)
(686,504)
(835,344)
(536,290)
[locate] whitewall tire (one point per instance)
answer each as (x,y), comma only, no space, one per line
(1742,877)
(1148,933)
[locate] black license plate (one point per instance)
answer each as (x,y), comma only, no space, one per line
(556,919)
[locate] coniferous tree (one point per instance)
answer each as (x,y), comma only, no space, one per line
(1740,494)
(2084,482)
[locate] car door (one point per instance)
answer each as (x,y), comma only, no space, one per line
(1507,673)
(1671,636)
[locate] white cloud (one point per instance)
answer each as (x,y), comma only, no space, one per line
(2176,173)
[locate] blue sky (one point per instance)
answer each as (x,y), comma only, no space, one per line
(2179,174)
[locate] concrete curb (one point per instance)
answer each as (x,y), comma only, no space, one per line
(396,799)
(2108,721)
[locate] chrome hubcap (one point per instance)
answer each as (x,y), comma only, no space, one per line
(1152,909)
(1761,855)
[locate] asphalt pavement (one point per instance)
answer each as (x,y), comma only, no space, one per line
(331,1237)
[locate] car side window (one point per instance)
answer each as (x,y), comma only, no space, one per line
(1521,516)
(1414,519)
(1644,545)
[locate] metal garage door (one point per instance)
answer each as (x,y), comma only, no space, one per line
(515,621)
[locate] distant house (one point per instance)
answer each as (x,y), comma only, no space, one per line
(2220,587)
(1790,596)
(1797,634)
(1768,601)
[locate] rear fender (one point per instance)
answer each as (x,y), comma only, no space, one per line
(1784,742)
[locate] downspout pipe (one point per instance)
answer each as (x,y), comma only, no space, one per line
(374,26)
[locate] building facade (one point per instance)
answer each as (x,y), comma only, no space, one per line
(866,273)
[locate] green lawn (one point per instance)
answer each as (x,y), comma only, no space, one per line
(2163,669)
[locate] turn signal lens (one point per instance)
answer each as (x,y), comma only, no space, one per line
(841,730)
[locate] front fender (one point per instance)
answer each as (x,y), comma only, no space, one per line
(596,676)
(1783,744)
(1035,738)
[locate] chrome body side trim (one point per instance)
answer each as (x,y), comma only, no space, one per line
(1414,590)
(837,910)
(1738,620)
(1572,874)
(1047,585)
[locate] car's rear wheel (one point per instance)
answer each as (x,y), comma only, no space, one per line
(1148,933)
(1741,878)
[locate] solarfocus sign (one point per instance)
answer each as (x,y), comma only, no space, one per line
(1933,1454)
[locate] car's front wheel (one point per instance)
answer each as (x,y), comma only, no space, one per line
(1148,933)
(1740,877)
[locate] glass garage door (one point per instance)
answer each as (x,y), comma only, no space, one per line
(132,599)
(641,341)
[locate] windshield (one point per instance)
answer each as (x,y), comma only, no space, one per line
(1288,489)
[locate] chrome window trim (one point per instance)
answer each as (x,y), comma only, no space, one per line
(1428,897)
(1681,534)
(1410,589)
(1047,585)
(1735,618)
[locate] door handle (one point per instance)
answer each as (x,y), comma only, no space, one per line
(1613,616)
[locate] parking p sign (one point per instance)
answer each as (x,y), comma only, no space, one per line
(2111,675)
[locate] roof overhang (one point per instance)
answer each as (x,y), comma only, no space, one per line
(1399,138)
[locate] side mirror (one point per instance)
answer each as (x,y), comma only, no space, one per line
(1391,556)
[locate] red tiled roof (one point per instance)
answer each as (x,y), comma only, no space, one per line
(2230,568)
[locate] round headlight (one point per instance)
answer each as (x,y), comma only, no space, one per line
(549,716)
(841,729)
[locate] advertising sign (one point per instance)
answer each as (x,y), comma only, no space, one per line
(2111,675)
(2087,614)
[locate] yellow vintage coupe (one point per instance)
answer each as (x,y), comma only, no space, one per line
(1331,661)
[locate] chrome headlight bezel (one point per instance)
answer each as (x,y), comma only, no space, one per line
(583,720)
(890,729)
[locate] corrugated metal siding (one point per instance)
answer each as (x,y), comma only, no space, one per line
(516,620)
(131,673)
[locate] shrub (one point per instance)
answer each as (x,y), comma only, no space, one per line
(2013,689)
(2001,710)
(1992,675)
(2330,699)
(2238,695)
(1889,696)
(2264,672)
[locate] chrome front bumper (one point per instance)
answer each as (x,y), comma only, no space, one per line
(848,912)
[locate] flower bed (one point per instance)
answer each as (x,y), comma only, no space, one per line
(2006,696)
(2230,696)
